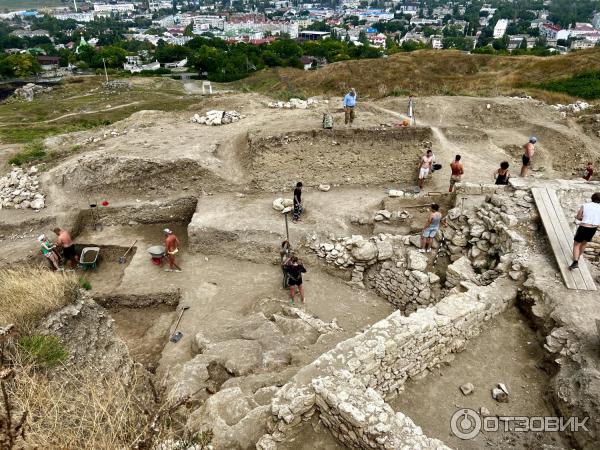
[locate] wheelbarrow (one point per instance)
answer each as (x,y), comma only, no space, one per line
(157,252)
(89,258)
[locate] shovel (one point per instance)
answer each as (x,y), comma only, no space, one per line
(122,259)
(177,335)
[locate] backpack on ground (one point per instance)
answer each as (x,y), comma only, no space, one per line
(327,121)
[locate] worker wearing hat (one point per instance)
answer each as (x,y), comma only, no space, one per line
(528,155)
(172,248)
(48,251)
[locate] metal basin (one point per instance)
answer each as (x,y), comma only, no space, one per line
(157,251)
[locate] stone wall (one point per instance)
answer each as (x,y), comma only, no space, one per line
(486,238)
(388,264)
(406,283)
(348,384)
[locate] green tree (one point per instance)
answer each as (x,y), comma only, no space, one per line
(19,65)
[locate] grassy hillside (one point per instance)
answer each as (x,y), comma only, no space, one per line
(430,73)
(12,5)
(82,103)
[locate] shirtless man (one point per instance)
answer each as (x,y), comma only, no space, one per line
(65,242)
(172,248)
(457,172)
(425,166)
(528,156)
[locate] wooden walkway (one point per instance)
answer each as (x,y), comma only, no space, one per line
(561,239)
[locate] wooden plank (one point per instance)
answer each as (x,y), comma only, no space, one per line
(538,195)
(565,244)
(568,235)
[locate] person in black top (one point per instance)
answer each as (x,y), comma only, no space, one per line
(295,269)
(297,202)
(502,174)
(286,250)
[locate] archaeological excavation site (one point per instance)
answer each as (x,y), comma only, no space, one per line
(393,347)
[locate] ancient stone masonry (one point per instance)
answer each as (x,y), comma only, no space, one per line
(406,283)
(572,348)
(490,239)
(21,190)
(397,273)
(347,385)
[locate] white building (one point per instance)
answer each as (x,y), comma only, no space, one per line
(500,28)
(162,4)
(205,23)
(436,42)
(272,27)
(78,17)
(580,44)
(116,7)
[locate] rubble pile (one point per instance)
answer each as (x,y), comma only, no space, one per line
(21,190)
(217,117)
(279,204)
(29,91)
(105,135)
(116,85)
(295,103)
(572,107)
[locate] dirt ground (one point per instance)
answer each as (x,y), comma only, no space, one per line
(508,351)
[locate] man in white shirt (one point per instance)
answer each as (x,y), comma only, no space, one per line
(589,215)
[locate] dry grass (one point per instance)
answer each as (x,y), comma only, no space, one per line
(78,409)
(29,294)
(429,73)
(75,410)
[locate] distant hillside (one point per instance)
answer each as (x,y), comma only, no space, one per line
(12,5)
(430,73)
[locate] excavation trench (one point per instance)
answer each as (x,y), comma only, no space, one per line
(509,352)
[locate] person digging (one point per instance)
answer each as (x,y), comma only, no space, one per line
(65,242)
(589,215)
(295,269)
(48,251)
(172,248)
